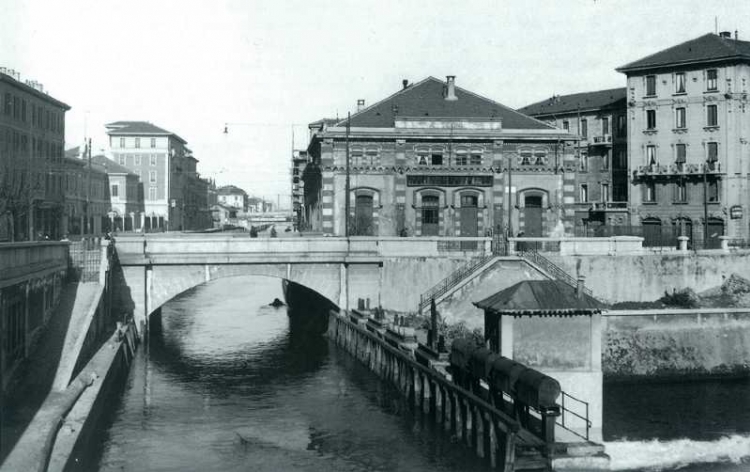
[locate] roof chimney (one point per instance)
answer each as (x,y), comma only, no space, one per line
(450,93)
(725,34)
(405,83)
(360,104)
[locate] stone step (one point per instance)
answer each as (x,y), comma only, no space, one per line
(577,449)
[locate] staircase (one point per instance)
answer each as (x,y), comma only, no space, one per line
(552,269)
(454,279)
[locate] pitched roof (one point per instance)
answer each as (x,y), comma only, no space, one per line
(578,101)
(426,98)
(117,128)
(73,152)
(110,166)
(230,190)
(706,48)
(540,297)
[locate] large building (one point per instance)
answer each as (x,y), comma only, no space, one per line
(125,195)
(232,196)
(434,159)
(32,139)
(599,120)
(174,196)
(688,140)
(299,162)
(86,195)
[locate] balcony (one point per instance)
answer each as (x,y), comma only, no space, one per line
(602,140)
(712,168)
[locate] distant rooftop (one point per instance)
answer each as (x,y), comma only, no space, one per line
(575,102)
(427,99)
(119,128)
(707,48)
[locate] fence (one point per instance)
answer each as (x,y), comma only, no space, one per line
(452,280)
(567,410)
(659,236)
(85,260)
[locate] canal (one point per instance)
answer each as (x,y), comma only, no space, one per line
(227,386)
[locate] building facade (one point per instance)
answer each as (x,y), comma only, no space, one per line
(688,140)
(86,196)
(125,193)
(299,162)
(232,196)
(434,159)
(168,171)
(601,183)
(32,140)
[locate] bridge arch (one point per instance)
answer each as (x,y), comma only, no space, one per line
(147,288)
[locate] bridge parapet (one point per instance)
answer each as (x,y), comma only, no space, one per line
(19,260)
(279,249)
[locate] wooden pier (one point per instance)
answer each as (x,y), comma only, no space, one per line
(490,433)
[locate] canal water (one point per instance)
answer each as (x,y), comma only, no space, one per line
(226,386)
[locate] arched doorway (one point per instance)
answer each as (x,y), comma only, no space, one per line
(715,230)
(532,216)
(430,215)
(468,215)
(363,216)
(652,232)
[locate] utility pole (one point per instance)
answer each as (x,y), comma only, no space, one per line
(86,226)
(510,197)
(705,204)
(347,201)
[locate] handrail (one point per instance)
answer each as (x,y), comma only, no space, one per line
(585,418)
(551,268)
(506,423)
(452,280)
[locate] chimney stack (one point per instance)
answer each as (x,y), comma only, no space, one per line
(725,34)
(579,287)
(360,104)
(405,83)
(450,93)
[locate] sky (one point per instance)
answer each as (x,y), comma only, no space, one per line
(267,68)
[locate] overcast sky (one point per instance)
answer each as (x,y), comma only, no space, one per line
(271,66)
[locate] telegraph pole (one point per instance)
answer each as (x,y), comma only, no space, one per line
(347,201)
(88,187)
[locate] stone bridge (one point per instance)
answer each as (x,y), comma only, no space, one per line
(391,272)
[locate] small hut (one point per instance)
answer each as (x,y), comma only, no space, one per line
(555,328)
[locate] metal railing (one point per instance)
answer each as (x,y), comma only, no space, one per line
(85,260)
(565,409)
(452,280)
(551,268)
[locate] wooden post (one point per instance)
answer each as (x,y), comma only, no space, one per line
(510,452)
(480,436)
(493,442)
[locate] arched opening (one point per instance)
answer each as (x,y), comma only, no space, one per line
(363,216)
(715,231)
(430,215)
(652,234)
(683,226)
(469,214)
(532,215)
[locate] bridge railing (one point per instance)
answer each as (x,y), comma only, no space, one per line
(358,245)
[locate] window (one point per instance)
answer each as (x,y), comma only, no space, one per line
(23,111)
(680,154)
(540,158)
(649,192)
(137,160)
(712,118)
(711,82)
(584,162)
(152,193)
(679,82)
(476,158)
(680,191)
(122,142)
(605,192)
(679,115)
(152,176)
(137,143)
(605,161)
(650,119)
(462,158)
(430,210)
(526,156)
(621,159)
(371,156)
(713,191)
(153,142)
(584,128)
(584,193)
(436,158)
(650,85)
(8,104)
(115,190)
(621,125)
(605,125)
(153,160)
(566,125)
(712,151)
(651,155)
(121,159)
